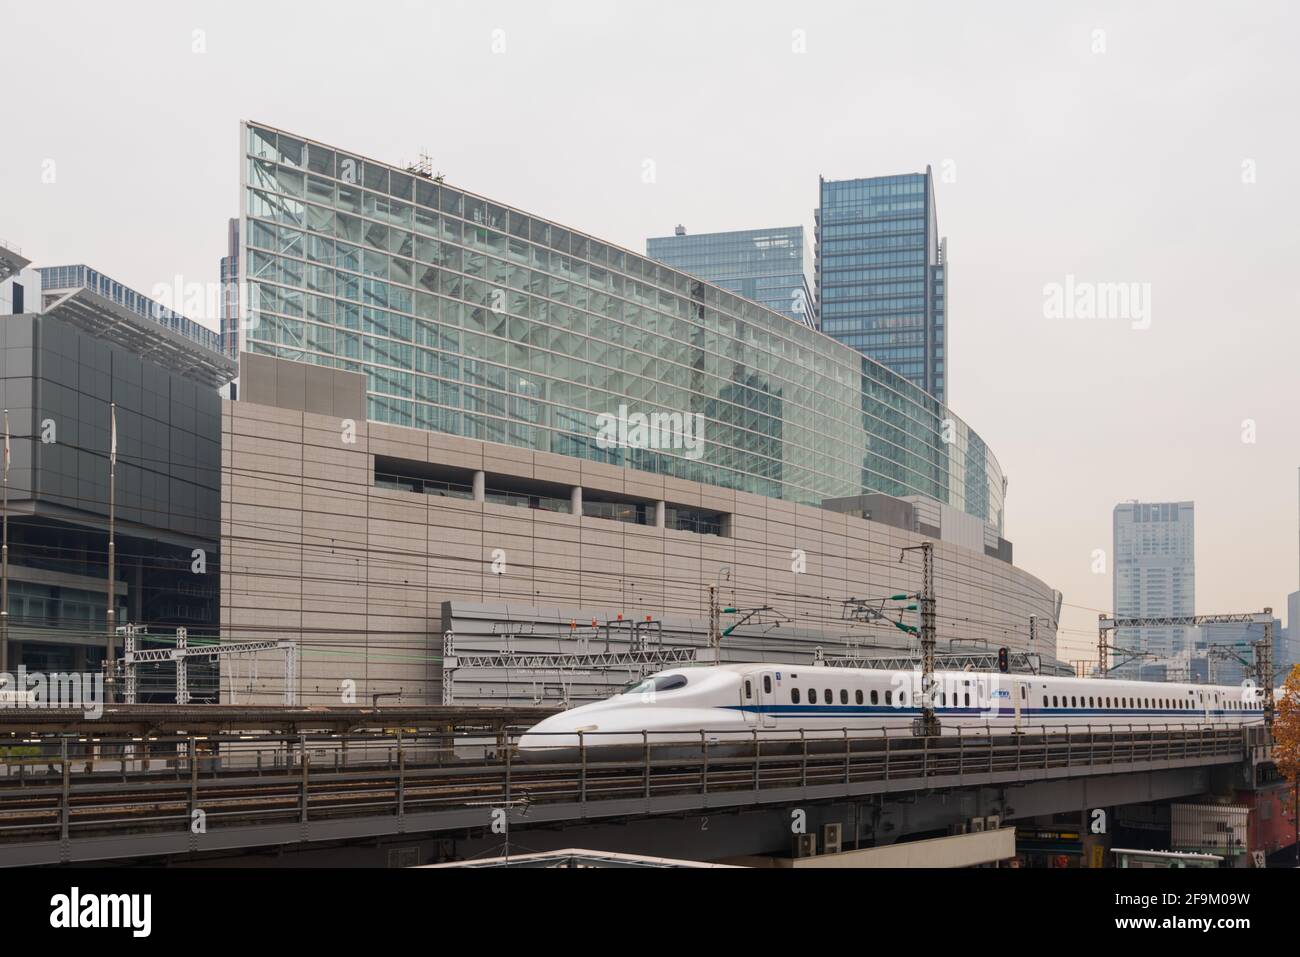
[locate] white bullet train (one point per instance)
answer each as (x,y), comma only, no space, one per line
(735,703)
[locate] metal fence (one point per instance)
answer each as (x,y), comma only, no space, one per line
(72,789)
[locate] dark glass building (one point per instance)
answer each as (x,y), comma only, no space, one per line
(881,274)
(83,344)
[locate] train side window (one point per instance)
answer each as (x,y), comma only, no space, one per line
(1044,701)
(858,693)
(875,697)
(889,697)
(968,699)
(844,696)
(749,689)
(794,695)
(1054,701)
(767,684)
(902,697)
(1090,704)
(830,698)
(812,695)
(943,699)
(1073,702)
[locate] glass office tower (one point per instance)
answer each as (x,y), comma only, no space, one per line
(473,318)
(769,266)
(880,273)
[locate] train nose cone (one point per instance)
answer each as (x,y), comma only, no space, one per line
(556,732)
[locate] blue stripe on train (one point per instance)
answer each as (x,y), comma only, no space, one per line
(814,710)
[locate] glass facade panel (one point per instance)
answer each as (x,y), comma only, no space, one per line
(497,325)
(769,266)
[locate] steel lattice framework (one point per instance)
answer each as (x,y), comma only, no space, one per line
(133,658)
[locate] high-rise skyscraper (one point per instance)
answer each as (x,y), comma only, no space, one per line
(1155,576)
(769,266)
(880,273)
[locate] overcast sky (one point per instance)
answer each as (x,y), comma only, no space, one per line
(1150,143)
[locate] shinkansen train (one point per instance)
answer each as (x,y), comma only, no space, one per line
(736,703)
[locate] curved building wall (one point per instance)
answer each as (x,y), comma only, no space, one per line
(319,547)
(472,318)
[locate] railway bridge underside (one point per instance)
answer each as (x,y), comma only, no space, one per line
(197,798)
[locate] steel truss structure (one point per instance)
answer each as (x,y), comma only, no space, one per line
(1021,662)
(644,661)
(132,658)
(1263,648)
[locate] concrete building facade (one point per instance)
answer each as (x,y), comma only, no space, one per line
(1155,576)
(352,537)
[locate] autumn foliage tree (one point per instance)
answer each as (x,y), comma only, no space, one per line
(1286,732)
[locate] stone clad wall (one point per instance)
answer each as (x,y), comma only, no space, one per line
(314,551)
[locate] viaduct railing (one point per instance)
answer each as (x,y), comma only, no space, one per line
(85,799)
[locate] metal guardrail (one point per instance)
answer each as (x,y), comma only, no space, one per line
(124,789)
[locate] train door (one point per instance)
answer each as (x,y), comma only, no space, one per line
(766,681)
(1020,703)
(749,699)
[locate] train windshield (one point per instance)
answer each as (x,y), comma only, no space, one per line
(656,684)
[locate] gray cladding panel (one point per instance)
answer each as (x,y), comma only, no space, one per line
(265,380)
(166,465)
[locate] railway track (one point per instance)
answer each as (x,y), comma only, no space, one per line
(417,776)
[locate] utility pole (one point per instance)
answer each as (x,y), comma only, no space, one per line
(111,609)
(929,723)
(1103,656)
(1264,667)
(4,563)
(715,623)
(715,636)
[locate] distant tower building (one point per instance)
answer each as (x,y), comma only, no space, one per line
(230,292)
(769,266)
(1292,635)
(881,274)
(1155,576)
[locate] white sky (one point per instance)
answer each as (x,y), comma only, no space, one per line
(1119,166)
